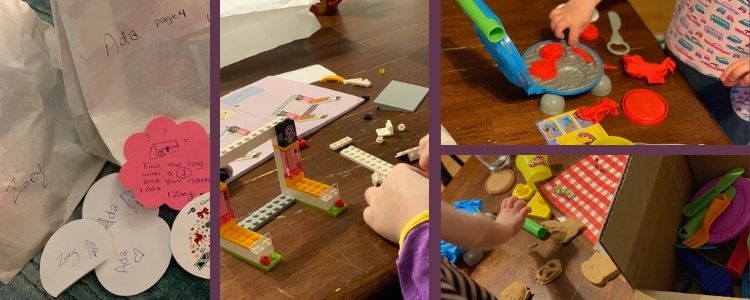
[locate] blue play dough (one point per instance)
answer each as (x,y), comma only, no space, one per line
(450,251)
(713,279)
(513,67)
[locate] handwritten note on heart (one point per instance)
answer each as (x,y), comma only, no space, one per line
(191,237)
(107,202)
(167,164)
(139,257)
(73,250)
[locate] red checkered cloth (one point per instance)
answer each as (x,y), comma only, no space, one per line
(593,181)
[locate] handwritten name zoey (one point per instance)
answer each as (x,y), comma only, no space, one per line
(36,176)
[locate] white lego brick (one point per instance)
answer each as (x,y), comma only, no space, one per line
(263,215)
(263,247)
(377,178)
(379,140)
(340,143)
(249,142)
(401,127)
(366,160)
(385,131)
(303,197)
(358,82)
(413,153)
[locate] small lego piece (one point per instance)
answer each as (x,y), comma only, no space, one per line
(551,104)
(367,160)
(381,71)
(379,140)
(358,82)
(637,67)
(263,215)
(548,272)
(603,88)
(302,143)
(366,98)
(385,131)
(333,78)
(340,143)
(401,127)
(377,179)
(412,153)
(368,117)
(590,33)
(595,113)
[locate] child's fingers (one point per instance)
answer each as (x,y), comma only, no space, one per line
(573,35)
(504,204)
(368,216)
(370,195)
(560,29)
(525,211)
(745,80)
(519,205)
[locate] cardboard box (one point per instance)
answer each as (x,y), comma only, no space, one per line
(642,227)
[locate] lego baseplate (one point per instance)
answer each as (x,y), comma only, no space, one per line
(275,259)
(366,160)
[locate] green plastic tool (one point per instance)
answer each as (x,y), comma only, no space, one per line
(695,222)
(727,180)
(534,228)
(489,27)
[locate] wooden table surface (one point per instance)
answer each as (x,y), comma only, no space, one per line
(514,261)
(326,257)
(479,106)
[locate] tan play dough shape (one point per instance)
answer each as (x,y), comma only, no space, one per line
(549,271)
(571,228)
(500,182)
(599,269)
(515,291)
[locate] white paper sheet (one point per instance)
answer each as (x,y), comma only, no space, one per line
(44,172)
(237,7)
(245,35)
(128,61)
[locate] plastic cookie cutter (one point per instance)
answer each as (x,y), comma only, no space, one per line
(692,226)
(616,38)
(574,73)
(714,210)
(727,180)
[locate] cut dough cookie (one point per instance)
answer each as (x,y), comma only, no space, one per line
(500,182)
(515,291)
(571,228)
(599,269)
(549,271)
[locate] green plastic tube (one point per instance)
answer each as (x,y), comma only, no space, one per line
(489,27)
(534,228)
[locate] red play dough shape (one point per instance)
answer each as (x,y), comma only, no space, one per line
(168,163)
(551,51)
(585,55)
(544,69)
(590,33)
(637,67)
(644,107)
(595,113)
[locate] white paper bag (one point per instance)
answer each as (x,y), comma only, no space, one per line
(44,171)
(126,61)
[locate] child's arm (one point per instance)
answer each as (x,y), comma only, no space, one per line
(737,74)
(575,16)
(477,232)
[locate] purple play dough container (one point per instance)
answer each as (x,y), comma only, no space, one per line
(735,218)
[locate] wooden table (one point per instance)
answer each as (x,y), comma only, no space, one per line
(479,106)
(514,261)
(324,256)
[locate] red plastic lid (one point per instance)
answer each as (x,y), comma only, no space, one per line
(644,107)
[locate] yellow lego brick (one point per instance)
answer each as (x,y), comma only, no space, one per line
(308,186)
(539,208)
(233,232)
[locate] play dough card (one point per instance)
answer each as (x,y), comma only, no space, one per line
(73,250)
(139,257)
(191,237)
(168,163)
(107,202)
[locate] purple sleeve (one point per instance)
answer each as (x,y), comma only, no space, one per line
(412,263)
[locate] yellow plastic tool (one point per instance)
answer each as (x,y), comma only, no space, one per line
(522,192)
(333,78)
(539,208)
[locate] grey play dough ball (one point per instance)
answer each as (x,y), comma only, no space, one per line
(552,104)
(472,257)
(603,87)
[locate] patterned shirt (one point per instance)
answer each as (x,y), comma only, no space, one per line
(709,35)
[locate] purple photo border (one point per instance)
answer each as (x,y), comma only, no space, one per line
(434,167)
(214,120)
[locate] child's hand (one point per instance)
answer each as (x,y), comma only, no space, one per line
(424,153)
(512,213)
(575,16)
(737,74)
(403,195)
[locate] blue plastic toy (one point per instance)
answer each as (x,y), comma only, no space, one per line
(514,67)
(713,279)
(450,251)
